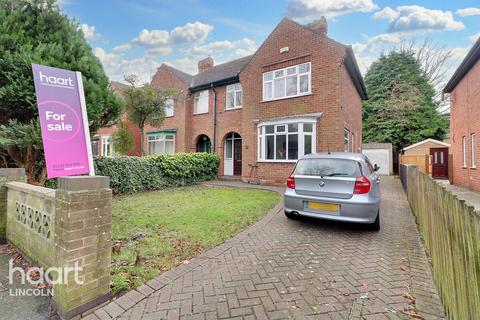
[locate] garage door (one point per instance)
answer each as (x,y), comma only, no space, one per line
(379,157)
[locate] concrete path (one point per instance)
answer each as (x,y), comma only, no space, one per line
(298,269)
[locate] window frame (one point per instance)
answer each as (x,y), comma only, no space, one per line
(231,88)
(473,158)
(262,135)
(464,144)
(285,76)
(106,141)
(162,138)
(197,97)
(346,140)
(172,107)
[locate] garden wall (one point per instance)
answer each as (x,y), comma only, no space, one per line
(450,226)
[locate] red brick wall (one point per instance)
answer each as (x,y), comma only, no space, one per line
(326,57)
(108,131)
(165,78)
(465,120)
(351,105)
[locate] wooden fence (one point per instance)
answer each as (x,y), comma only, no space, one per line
(451,232)
(423,162)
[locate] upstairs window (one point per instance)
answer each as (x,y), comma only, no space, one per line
(169,108)
(201,102)
(234,96)
(287,82)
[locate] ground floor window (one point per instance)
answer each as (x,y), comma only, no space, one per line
(161,143)
(94,147)
(106,147)
(346,140)
(204,144)
(285,141)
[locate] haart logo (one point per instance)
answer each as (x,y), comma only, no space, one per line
(56,81)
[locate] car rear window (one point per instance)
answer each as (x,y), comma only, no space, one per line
(328,168)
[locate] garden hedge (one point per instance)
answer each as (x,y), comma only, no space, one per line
(134,174)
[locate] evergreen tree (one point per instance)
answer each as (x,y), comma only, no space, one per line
(35,31)
(401,109)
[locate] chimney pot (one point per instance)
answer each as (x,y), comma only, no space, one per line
(205,64)
(319,26)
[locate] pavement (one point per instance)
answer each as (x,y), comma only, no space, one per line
(13,304)
(298,269)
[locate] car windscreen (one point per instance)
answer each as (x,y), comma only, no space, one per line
(328,167)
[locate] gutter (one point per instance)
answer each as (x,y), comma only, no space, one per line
(214,118)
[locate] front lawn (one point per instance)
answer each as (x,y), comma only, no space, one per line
(155,231)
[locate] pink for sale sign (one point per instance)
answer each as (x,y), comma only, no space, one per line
(63,119)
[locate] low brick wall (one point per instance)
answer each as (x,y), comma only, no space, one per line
(30,221)
(449,220)
(69,228)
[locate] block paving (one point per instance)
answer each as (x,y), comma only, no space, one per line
(298,269)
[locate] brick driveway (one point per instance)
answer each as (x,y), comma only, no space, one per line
(298,269)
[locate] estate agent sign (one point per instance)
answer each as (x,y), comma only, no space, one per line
(63,119)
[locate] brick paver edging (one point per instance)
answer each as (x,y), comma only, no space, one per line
(119,305)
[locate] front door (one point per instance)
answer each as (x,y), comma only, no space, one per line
(232,155)
(237,157)
(439,162)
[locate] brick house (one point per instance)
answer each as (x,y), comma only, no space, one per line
(464,90)
(300,92)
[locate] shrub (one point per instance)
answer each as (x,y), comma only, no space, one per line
(134,174)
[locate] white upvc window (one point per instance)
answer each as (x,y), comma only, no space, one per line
(106,150)
(464,142)
(353,142)
(169,107)
(286,141)
(163,143)
(346,140)
(234,96)
(473,142)
(287,82)
(201,102)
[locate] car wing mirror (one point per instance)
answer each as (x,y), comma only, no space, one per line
(376,167)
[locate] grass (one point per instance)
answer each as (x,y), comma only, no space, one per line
(155,231)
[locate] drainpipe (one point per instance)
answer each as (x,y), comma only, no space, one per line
(214,119)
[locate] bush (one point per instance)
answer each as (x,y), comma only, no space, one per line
(134,174)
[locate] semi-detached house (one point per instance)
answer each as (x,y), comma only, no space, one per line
(299,93)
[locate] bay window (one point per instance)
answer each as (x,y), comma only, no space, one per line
(161,143)
(201,102)
(285,141)
(234,96)
(287,82)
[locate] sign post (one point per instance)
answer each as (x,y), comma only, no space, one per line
(63,120)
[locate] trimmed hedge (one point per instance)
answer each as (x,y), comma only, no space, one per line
(134,174)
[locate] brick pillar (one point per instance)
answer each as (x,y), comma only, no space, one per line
(6,175)
(83,233)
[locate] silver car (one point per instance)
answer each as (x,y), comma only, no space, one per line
(338,186)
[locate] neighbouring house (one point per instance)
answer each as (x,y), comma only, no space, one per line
(299,93)
(430,155)
(101,140)
(464,90)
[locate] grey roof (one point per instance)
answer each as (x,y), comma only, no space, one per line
(182,76)
(222,72)
(472,57)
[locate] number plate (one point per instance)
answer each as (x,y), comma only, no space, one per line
(322,206)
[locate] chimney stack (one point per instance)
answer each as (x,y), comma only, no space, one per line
(205,64)
(319,26)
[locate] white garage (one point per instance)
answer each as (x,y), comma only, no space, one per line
(380,154)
